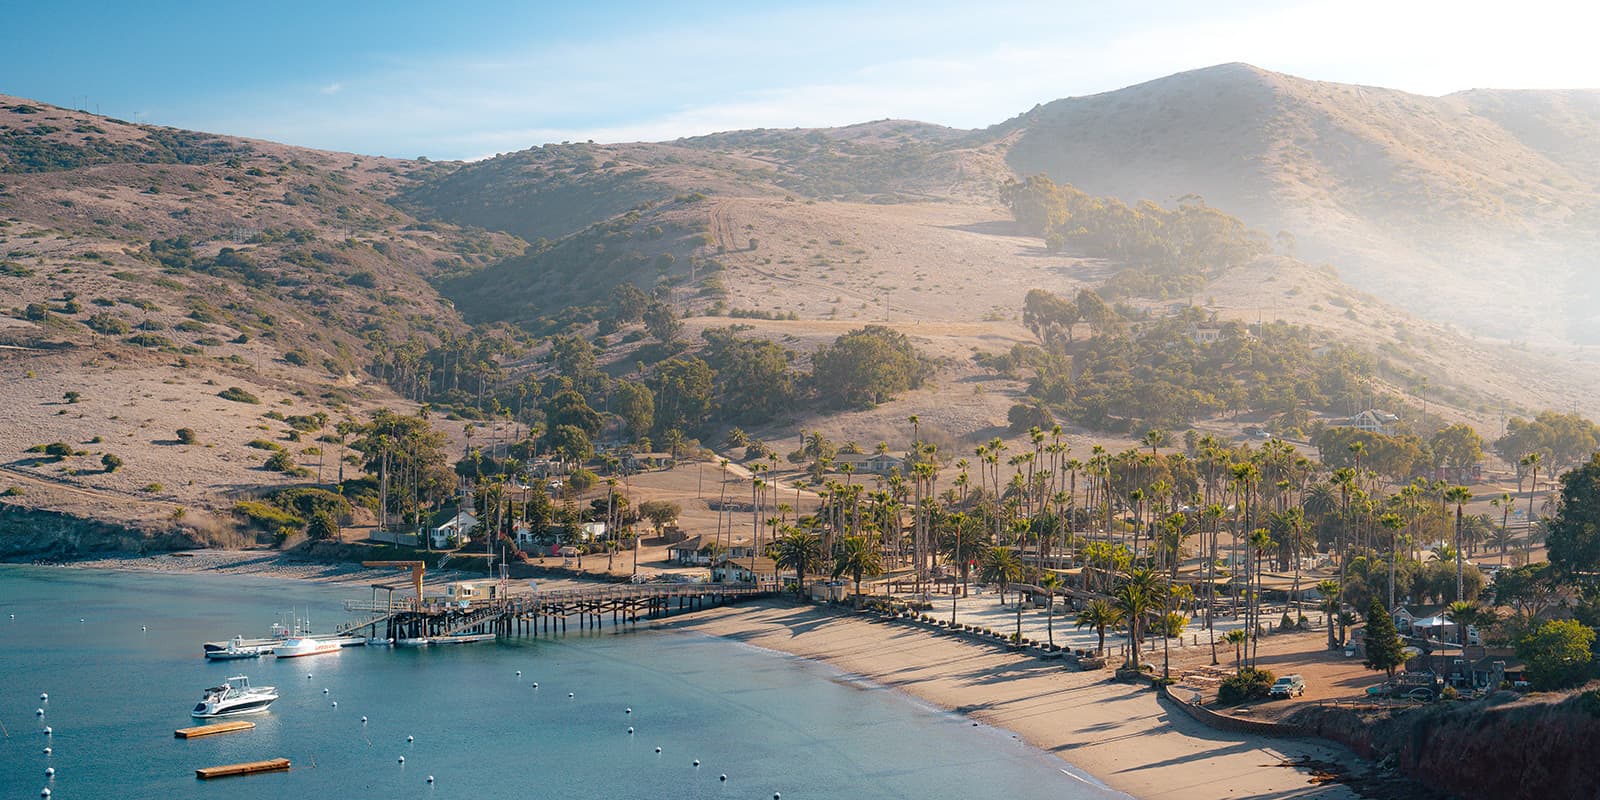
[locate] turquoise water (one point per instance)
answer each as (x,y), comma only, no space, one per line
(769,722)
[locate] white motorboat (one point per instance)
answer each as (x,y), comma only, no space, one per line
(237,648)
(464,638)
(233,698)
(412,641)
(301,646)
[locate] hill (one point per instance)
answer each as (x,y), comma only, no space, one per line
(148,269)
(1478,208)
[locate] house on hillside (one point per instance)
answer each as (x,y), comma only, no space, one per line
(1204,334)
(1374,421)
(645,462)
(871,464)
(451,528)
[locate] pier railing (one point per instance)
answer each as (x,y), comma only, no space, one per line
(635,591)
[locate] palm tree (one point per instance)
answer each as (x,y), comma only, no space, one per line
(1100,614)
(1502,537)
(1329,589)
(1050,583)
(800,551)
(1138,592)
(1237,638)
(858,558)
(1462,613)
(1531,461)
(1458,495)
(998,564)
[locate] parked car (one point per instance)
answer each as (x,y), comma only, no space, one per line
(1380,690)
(1350,650)
(1288,686)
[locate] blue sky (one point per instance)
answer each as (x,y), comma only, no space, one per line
(471,79)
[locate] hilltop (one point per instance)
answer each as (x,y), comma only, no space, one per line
(1481,208)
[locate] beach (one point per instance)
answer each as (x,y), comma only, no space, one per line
(1119,733)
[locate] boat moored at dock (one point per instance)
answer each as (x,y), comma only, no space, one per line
(301,647)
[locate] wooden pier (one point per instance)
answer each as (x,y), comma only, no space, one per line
(211,730)
(551,611)
(247,768)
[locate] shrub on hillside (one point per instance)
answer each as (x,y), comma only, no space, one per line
(238,395)
(188,436)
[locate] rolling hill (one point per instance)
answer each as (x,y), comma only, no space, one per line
(150,268)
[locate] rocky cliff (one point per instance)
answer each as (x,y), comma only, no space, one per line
(27,533)
(1503,747)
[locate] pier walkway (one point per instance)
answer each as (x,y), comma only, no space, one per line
(549,610)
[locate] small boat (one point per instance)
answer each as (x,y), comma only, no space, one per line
(300,646)
(411,641)
(237,648)
(464,638)
(379,641)
(233,698)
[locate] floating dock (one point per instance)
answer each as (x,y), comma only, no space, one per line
(247,768)
(208,730)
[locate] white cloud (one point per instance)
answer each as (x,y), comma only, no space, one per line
(332,88)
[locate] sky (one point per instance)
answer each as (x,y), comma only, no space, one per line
(467,80)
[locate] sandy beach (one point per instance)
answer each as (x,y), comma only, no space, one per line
(1118,733)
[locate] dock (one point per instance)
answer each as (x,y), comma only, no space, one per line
(526,615)
(211,730)
(247,768)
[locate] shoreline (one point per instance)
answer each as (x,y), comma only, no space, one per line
(1109,735)
(1119,735)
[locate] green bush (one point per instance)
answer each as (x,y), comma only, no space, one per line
(265,515)
(263,444)
(111,462)
(1249,684)
(238,395)
(188,436)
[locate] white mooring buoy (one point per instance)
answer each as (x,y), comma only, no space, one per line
(38,712)
(44,697)
(409,739)
(535,684)
(324,691)
(48,730)
(627,711)
(45,792)
(402,759)
(49,771)
(658,750)
(519,673)
(336,704)
(697,762)
(723,777)
(363,720)
(430,779)
(47,751)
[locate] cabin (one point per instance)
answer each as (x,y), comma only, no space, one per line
(645,462)
(763,571)
(450,529)
(590,531)
(873,464)
(1204,334)
(471,591)
(1374,421)
(696,551)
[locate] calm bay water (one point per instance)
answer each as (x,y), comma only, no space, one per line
(771,723)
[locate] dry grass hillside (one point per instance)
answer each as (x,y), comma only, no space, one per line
(1445,204)
(149,269)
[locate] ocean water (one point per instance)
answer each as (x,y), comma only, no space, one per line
(119,655)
